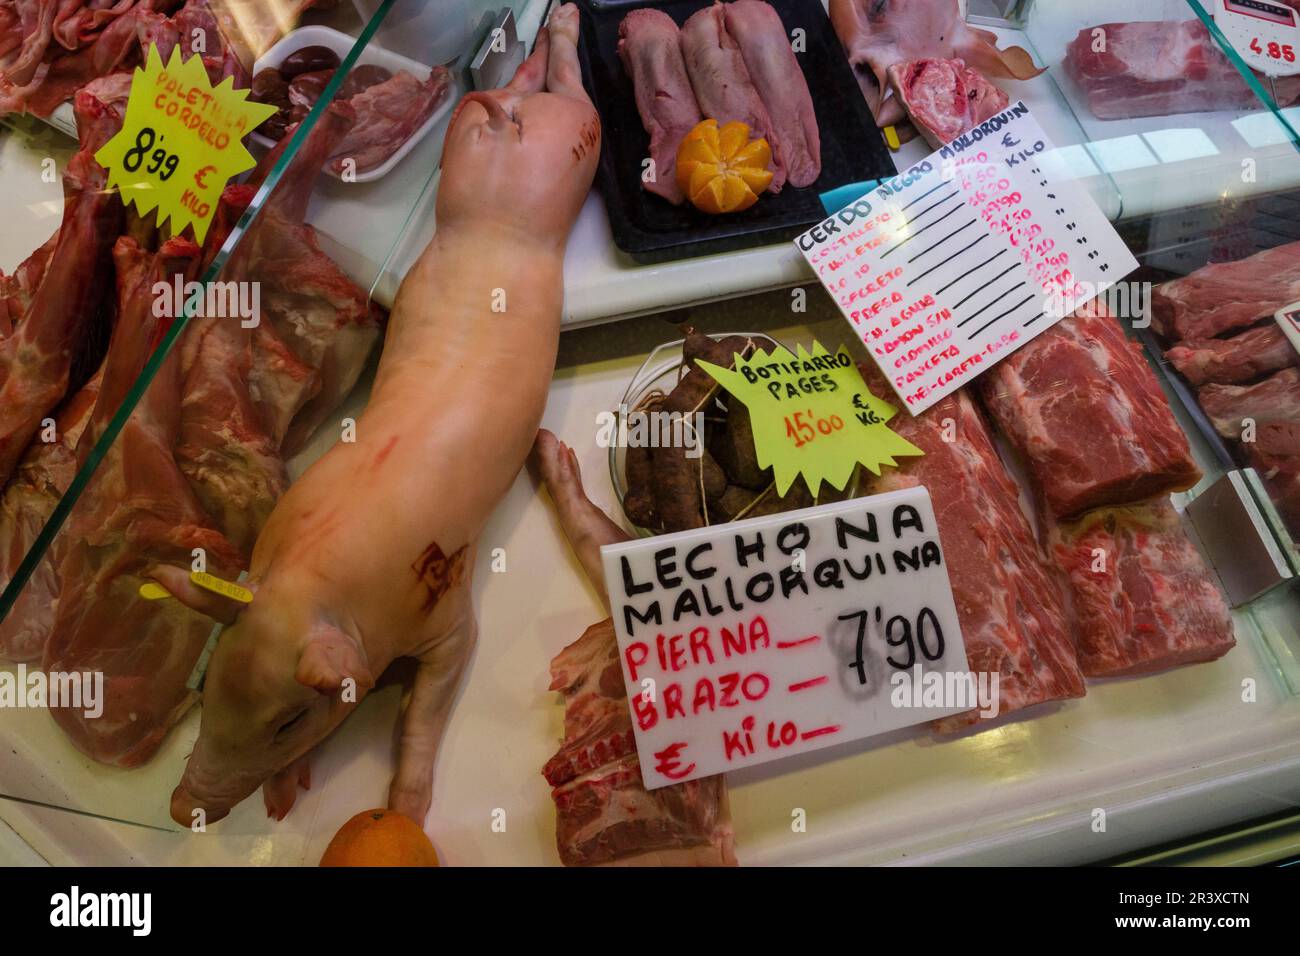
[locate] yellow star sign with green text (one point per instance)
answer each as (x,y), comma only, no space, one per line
(812,415)
(181,141)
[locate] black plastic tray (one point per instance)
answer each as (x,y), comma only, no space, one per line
(651,229)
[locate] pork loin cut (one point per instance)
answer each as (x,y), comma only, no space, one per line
(1085,410)
(604,814)
(1142,596)
(722,84)
(1226,296)
(944,98)
(649,46)
(1011,609)
(780,82)
(1249,355)
(1158,68)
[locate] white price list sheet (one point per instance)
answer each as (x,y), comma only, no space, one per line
(964,258)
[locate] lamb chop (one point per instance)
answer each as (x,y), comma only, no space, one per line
(388,113)
(37,360)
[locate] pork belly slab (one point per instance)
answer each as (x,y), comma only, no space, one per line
(1236,359)
(722,84)
(649,46)
(1084,408)
(765,47)
(1011,609)
(1226,296)
(1142,597)
(604,814)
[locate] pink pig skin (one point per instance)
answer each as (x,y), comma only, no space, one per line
(347,573)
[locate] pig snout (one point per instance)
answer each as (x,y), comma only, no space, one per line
(184,804)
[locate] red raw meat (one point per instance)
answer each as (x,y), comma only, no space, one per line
(16,290)
(388,114)
(944,98)
(1226,296)
(649,46)
(1240,358)
(138,510)
(1084,408)
(1143,598)
(765,47)
(36,362)
(604,814)
(78,23)
(1273,405)
(44,475)
(323,320)
(1010,608)
(1159,68)
(722,85)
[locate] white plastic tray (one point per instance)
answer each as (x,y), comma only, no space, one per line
(372,55)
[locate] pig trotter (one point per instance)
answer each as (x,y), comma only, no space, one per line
(425,717)
(280,792)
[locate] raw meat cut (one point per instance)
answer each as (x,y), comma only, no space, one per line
(1272,408)
(323,320)
(388,114)
(1230,361)
(877,34)
(722,85)
(44,475)
(37,360)
(16,290)
(137,511)
(1225,296)
(1084,408)
(604,814)
(1159,68)
(775,72)
(1011,609)
(1148,602)
(944,98)
(649,47)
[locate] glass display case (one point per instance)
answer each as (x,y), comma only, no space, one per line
(143,436)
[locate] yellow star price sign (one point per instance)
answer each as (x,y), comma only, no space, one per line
(812,415)
(181,141)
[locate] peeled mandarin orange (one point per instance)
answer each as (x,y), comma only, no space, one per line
(721,169)
(380,838)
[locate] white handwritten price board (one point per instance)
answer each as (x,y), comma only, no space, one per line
(1265,33)
(1289,318)
(762,639)
(964,258)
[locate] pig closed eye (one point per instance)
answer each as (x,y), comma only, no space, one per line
(289,724)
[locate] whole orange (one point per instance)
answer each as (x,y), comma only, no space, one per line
(380,838)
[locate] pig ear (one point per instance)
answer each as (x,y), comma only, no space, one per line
(176,581)
(328,658)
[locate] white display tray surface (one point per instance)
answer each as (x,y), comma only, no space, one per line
(1165,756)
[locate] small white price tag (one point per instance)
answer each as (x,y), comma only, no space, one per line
(1289,318)
(762,639)
(1265,33)
(964,258)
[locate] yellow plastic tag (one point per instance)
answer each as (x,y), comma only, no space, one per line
(153,591)
(812,415)
(891,138)
(216,585)
(181,141)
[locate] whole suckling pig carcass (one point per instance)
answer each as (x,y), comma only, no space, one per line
(368,556)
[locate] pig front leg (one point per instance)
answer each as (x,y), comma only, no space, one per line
(280,792)
(442,664)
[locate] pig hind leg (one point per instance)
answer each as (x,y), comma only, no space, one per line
(423,722)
